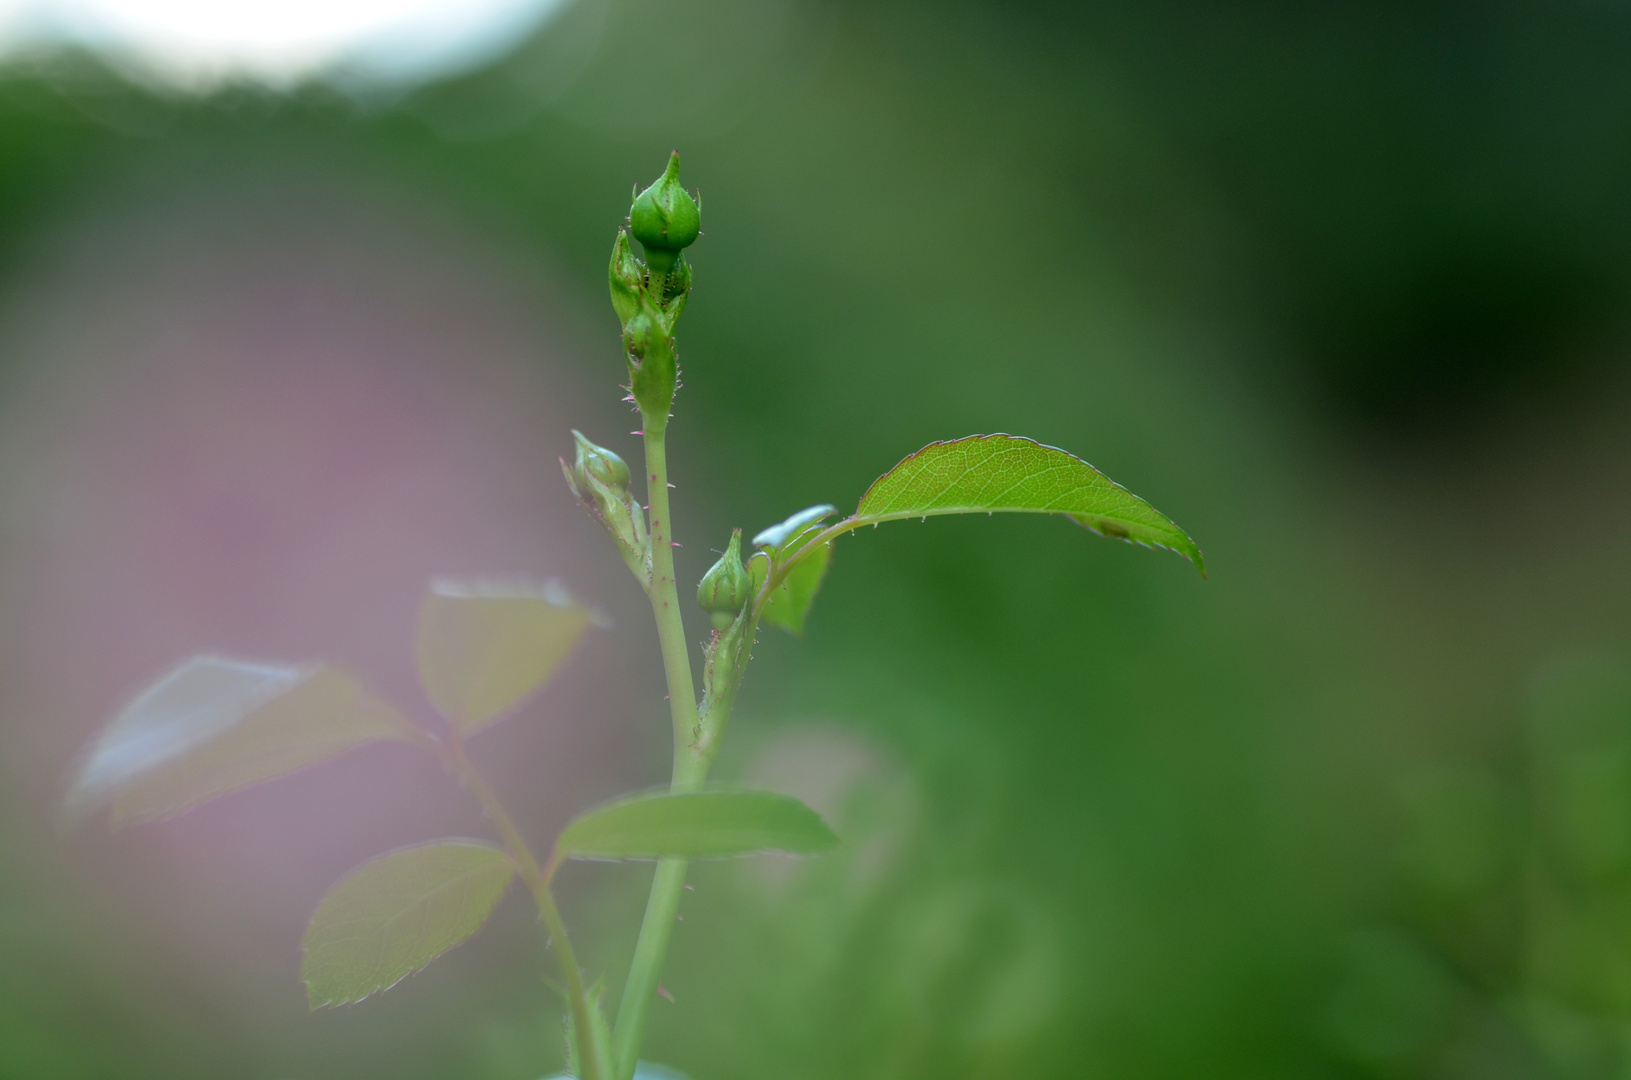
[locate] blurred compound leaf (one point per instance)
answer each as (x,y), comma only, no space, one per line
(393,915)
(484,647)
(993,473)
(214,725)
(712,824)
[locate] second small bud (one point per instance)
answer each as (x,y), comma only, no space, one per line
(726,588)
(600,480)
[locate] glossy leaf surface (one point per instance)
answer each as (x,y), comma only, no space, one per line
(393,915)
(483,648)
(696,825)
(992,473)
(216,724)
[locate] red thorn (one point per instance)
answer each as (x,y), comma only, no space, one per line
(662,991)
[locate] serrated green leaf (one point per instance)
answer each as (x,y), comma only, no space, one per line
(789,603)
(991,473)
(484,647)
(711,824)
(214,725)
(393,915)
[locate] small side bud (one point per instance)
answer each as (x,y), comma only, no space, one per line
(600,480)
(725,589)
(599,463)
(665,218)
(625,275)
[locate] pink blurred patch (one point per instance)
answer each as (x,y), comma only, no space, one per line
(260,428)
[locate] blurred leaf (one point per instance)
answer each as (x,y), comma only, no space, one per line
(790,602)
(484,647)
(696,825)
(214,725)
(393,915)
(993,473)
(776,537)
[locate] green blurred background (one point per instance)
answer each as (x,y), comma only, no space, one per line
(1341,288)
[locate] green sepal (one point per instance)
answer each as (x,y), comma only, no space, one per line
(626,277)
(676,291)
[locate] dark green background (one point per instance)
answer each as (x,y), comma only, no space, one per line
(1341,288)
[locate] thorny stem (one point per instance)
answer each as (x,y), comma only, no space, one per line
(537,881)
(694,747)
(690,763)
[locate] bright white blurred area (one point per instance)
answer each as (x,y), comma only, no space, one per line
(197,44)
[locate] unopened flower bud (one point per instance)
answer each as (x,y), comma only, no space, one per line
(725,588)
(600,463)
(665,218)
(600,480)
(625,276)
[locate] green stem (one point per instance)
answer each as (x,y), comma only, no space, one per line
(690,765)
(537,882)
(664,593)
(717,703)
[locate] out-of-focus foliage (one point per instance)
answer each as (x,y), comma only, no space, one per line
(482,648)
(695,825)
(393,915)
(1342,287)
(214,725)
